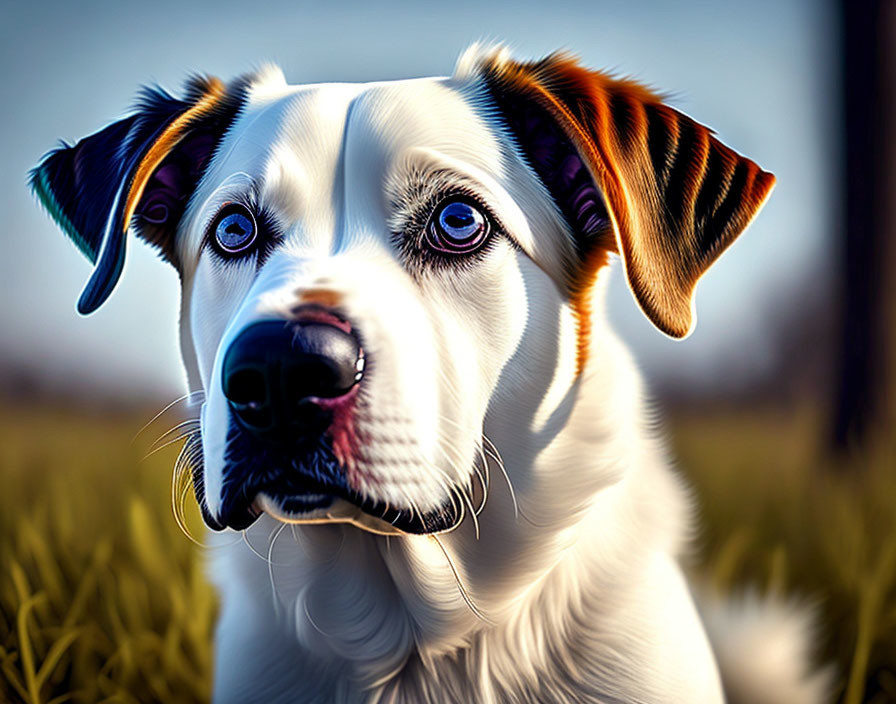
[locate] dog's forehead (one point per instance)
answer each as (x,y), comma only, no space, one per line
(388,120)
(314,152)
(378,119)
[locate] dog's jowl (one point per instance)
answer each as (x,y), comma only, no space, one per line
(392,308)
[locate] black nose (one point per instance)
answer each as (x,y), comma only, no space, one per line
(276,373)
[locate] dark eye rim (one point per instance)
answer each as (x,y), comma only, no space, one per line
(227,209)
(451,249)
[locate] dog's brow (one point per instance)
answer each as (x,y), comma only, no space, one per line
(285,184)
(418,173)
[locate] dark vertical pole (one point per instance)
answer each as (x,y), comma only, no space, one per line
(863,388)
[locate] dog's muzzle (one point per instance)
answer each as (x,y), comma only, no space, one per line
(292,387)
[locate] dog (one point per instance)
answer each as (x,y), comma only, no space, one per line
(412,406)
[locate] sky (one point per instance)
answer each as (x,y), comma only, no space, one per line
(762,74)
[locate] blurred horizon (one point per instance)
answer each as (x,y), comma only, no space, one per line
(762,75)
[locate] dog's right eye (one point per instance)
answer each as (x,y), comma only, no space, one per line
(235,230)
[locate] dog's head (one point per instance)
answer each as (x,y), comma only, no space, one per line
(368,270)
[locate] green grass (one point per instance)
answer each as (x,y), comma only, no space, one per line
(102,598)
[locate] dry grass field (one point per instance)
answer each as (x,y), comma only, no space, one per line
(102,598)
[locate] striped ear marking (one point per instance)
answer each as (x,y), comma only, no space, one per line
(664,192)
(138,171)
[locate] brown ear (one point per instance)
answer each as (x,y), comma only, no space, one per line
(670,197)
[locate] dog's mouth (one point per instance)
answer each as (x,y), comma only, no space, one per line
(306,484)
(372,516)
(317,506)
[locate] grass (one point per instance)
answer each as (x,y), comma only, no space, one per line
(102,598)
(779,515)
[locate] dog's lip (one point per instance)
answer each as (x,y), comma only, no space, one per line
(366,515)
(339,511)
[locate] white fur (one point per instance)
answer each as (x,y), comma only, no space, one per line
(761,644)
(574,575)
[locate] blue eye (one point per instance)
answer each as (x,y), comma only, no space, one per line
(458,227)
(235,230)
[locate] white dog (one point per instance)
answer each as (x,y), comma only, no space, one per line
(392,301)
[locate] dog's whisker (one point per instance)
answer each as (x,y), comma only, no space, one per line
(177,506)
(449,485)
(182,503)
(492,451)
(415,508)
(480,475)
(447,443)
(182,481)
(337,553)
(180,513)
(445,483)
(465,595)
(465,492)
(169,443)
(167,408)
(480,472)
(413,504)
(298,539)
(185,423)
(474,516)
(483,475)
(311,620)
(483,490)
(174,434)
(251,547)
(454,488)
(449,386)
(386,508)
(272,540)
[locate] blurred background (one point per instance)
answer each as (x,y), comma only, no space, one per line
(778,408)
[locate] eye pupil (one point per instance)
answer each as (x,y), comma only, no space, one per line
(235,231)
(456,220)
(458,227)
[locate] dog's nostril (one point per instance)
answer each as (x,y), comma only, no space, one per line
(319,377)
(246,387)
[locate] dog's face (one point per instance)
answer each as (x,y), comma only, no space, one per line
(371,271)
(388,223)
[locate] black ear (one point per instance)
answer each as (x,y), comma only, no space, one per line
(141,170)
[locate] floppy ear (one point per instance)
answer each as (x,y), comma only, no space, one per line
(140,170)
(629,174)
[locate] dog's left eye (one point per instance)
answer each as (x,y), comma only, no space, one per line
(235,230)
(457,227)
